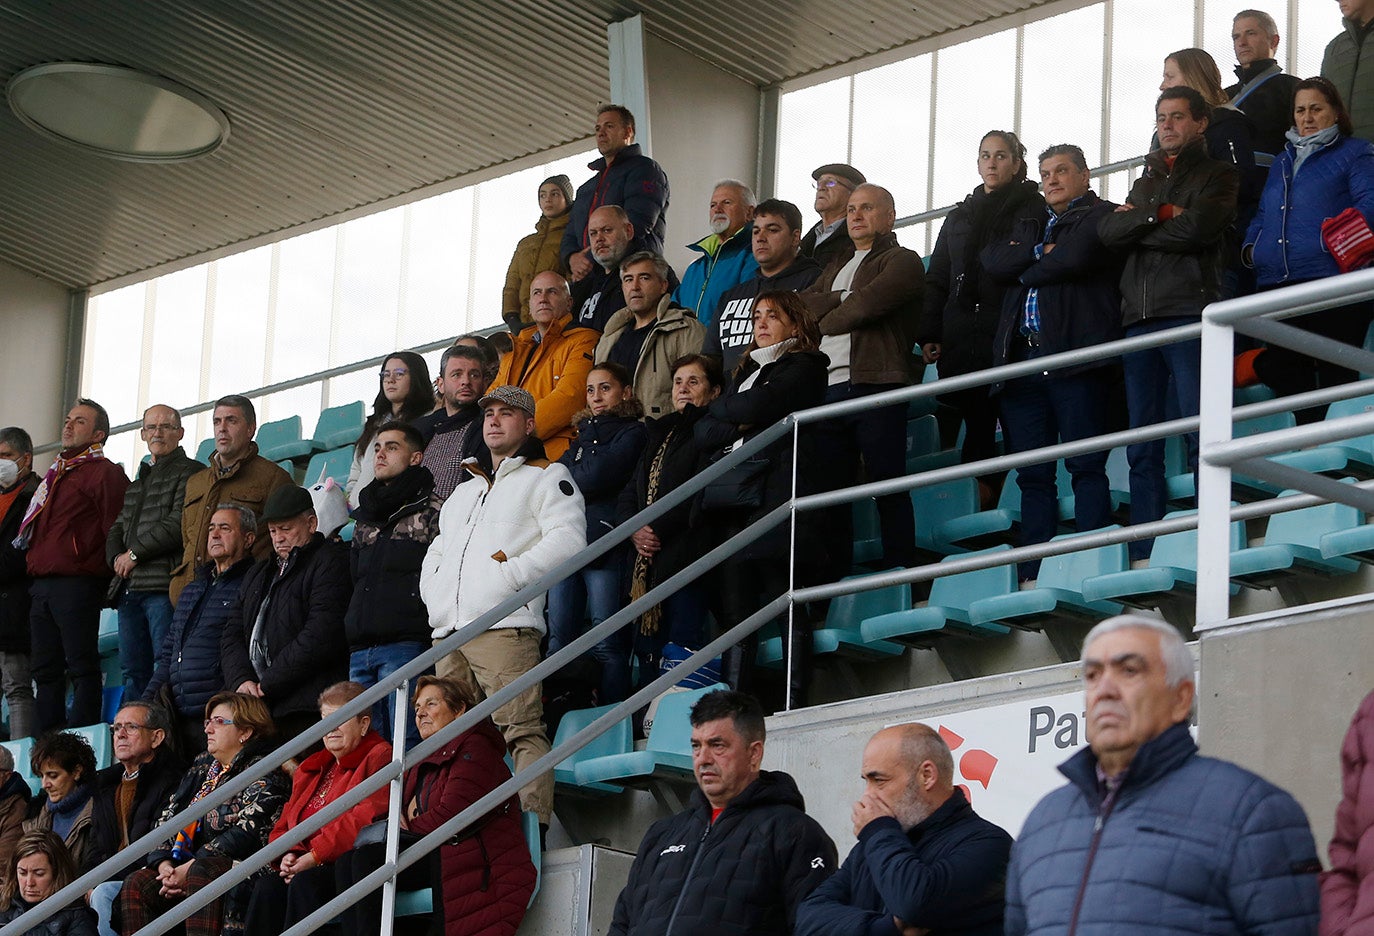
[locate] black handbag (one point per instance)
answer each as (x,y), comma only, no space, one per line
(740,487)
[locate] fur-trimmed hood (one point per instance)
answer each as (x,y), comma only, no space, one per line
(629,409)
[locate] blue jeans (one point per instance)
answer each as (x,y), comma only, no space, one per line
(1038,411)
(144,619)
(103,898)
(1149,377)
(598,594)
(369,667)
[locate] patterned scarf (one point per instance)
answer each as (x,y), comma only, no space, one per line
(183,847)
(49,484)
(639,579)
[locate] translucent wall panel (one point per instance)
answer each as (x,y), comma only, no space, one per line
(240,292)
(1143,32)
(975,93)
(813,130)
(367,287)
(178,326)
(1050,80)
(1318,24)
(114,333)
(892,126)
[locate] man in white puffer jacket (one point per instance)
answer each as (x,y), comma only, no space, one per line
(518,518)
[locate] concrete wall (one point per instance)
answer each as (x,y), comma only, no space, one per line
(692,104)
(577,892)
(33,320)
(1278,692)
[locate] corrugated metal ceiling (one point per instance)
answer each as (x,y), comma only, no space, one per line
(338,105)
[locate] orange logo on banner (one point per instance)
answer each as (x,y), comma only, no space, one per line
(975,764)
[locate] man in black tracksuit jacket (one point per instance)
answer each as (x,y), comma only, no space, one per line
(776,246)
(742,857)
(924,861)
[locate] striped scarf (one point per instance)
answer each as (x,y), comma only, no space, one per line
(639,578)
(183,846)
(40,497)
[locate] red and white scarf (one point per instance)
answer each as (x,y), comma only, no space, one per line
(45,488)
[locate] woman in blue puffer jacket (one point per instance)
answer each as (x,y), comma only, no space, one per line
(1320,173)
(601,460)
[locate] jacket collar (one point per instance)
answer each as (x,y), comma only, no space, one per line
(317,762)
(670,316)
(1158,757)
(952,810)
(627,409)
(248,456)
(800,265)
(627,153)
(1254,69)
(479,465)
(235,571)
(1192,154)
(556,328)
(175,456)
(713,246)
(770,788)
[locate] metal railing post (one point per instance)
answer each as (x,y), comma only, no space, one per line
(789,634)
(394,804)
(1214,480)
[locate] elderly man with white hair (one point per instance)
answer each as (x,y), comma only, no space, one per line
(1150,836)
(727,254)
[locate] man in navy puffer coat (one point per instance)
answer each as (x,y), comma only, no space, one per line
(1149,836)
(925,860)
(189,662)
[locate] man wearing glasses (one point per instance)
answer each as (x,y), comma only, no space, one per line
(145,544)
(131,792)
(833,183)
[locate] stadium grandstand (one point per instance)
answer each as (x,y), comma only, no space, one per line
(293,192)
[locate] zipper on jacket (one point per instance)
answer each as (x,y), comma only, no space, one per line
(1103,812)
(691,870)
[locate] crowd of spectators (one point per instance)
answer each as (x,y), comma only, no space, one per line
(239,619)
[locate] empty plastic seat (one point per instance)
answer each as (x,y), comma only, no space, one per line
(618,739)
(841,633)
(1172,569)
(99,738)
(205,450)
(1349,456)
(108,636)
(338,426)
(947,610)
(666,756)
(1058,592)
(281,439)
(986,527)
(922,438)
(936,504)
(1292,543)
(334,464)
(868,534)
(924,406)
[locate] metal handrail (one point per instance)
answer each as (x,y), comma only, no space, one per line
(790,425)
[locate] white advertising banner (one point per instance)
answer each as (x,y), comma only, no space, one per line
(1005,756)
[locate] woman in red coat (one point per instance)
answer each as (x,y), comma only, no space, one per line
(303,880)
(1348,888)
(484,875)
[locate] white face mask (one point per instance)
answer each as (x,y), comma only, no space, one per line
(9,472)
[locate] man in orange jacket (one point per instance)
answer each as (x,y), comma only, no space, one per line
(551,360)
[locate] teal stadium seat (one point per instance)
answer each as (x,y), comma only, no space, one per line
(935,505)
(666,756)
(108,637)
(338,426)
(334,464)
(99,738)
(947,611)
(205,450)
(21,749)
(924,406)
(841,634)
(1349,456)
(1172,570)
(413,903)
(868,534)
(988,527)
(1292,544)
(1058,593)
(281,439)
(618,739)
(922,439)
